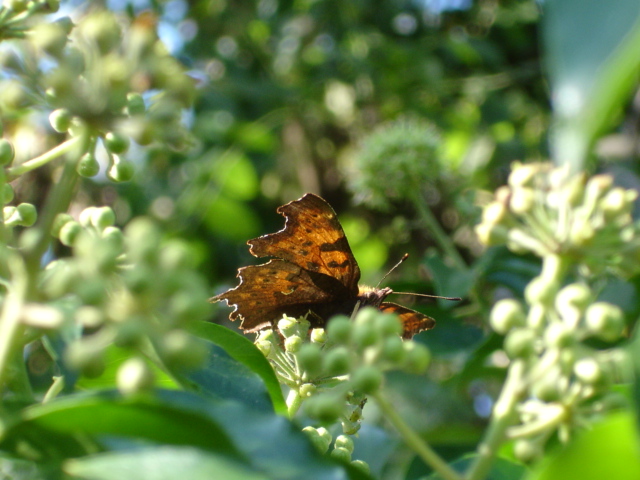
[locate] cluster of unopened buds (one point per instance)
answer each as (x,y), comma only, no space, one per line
(561,341)
(333,371)
(547,210)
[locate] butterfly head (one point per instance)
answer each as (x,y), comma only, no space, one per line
(372,296)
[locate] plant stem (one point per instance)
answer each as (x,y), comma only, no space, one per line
(45,158)
(413,440)
(504,412)
(294,401)
(434,228)
(11,328)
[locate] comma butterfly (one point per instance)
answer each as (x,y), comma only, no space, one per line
(313,273)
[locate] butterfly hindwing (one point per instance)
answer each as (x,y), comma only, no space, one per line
(413,322)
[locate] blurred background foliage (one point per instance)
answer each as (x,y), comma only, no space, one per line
(403,114)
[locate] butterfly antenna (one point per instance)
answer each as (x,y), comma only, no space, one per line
(455,299)
(404,257)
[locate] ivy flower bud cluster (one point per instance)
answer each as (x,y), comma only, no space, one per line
(128,288)
(333,370)
(545,210)
(561,340)
(96,85)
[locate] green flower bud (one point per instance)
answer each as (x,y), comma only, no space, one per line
(65,23)
(85,216)
(16,6)
(507,314)
(520,343)
(89,317)
(132,333)
(102,217)
(59,222)
(293,344)
(326,407)
(490,234)
(337,361)
(84,355)
(606,321)
(60,120)
(597,187)
(393,350)
(28,214)
(134,376)
(417,358)
(114,237)
(182,350)
(116,142)
(92,291)
(121,170)
(77,127)
(339,329)
(362,466)
(559,335)
(522,175)
(367,316)
(522,200)
(319,336)
(142,238)
(310,359)
(588,371)
(341,454)
(574,296)
(288,326)
(527,450)
(88,165)
(388,325)
(320,438)
(185,307)
(50,37)
(102,29)
(135,104)
(365,335)
(13,95)
(7,154)
(494,213)
(351,428)
(7,193)
(343,441)
(367,379)
(264,346)
(541,290)
(615,203)
(307,390)
(551,387)
(176,255)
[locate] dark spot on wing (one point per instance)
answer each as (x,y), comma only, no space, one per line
(334,264)
(308,243)
(340,245)
(313,266)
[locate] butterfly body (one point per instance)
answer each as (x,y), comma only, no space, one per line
(313,273)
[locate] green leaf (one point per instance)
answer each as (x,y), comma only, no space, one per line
(162,463)
(78,425)
(593,58)
(609,449)
(242,350)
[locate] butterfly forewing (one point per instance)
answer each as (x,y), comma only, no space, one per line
(313,239)
(268,291)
